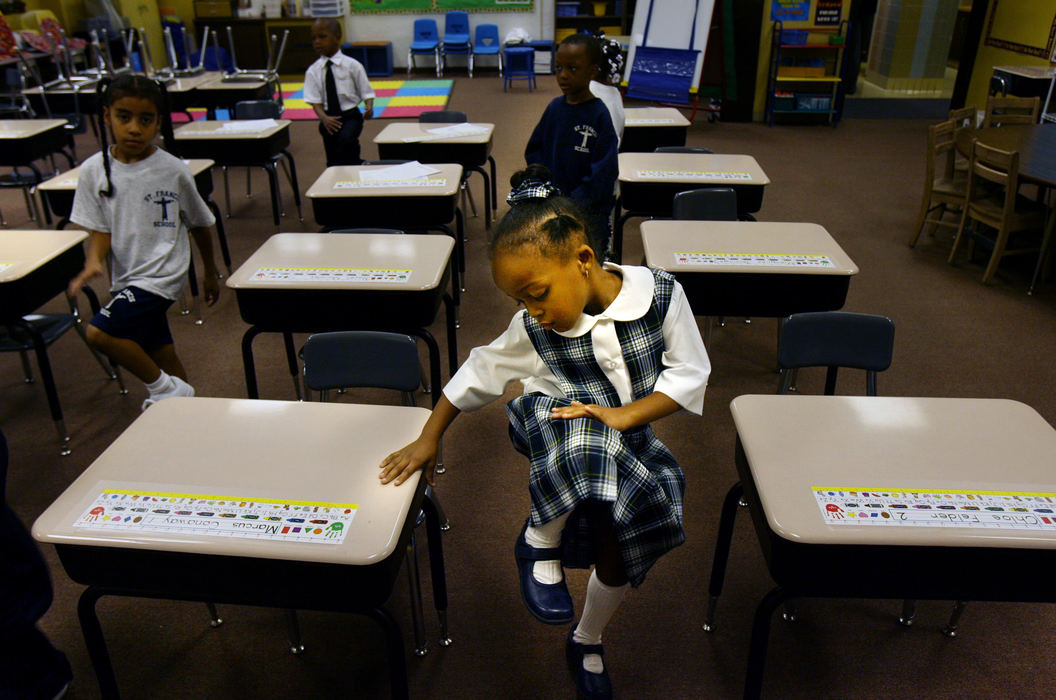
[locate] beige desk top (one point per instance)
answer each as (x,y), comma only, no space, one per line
(1034,72)
(654,116)
(426,256)
(68,180)
(28,250)
(400,132)
(323,187)
(192,82)
(663,238)
(794,443)
(216,82)
(632,163)
(83,87)
(249,448)
(24,128)
(215,131)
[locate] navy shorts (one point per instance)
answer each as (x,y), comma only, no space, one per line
(138,315)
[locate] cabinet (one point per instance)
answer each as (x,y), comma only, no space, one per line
(376,56)
(573,16)
(252,37)
(806,72)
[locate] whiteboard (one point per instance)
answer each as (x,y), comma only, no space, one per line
(671,28)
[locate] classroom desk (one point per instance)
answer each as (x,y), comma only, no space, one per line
(789,445)
(1036,145)
(338,203)
(78,98)
(1025,81)
(183,92)
(256,442)
(35,266)
(229,146)
(415,141)
(650,181)
(23,141)
(645,128)
(325,291)
(804,269)
(217,93)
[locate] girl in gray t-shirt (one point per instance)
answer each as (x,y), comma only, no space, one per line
(139,202)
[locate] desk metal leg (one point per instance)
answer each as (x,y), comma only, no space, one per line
(753,681)
(291,361)
(248,366)
(221,234)
(192,284)
(293,629)
(434,523)
(452,338)
(421,647)
(96,643)
(722,552)
(291,175)
(487,195)
(950,630)
(434,361)
(494,187)
(394,642)
(460,244)
(1046,243)
(273,180)
(41,350)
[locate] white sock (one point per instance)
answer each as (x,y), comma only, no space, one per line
(166,386)
(601,604)
(160,384)
(547,536)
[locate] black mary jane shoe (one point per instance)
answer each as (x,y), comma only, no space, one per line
(548,602)
(589,686)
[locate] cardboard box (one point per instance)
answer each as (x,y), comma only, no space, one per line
(213,8)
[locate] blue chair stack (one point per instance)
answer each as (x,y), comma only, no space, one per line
(486,42)
(426,42)
(519,62)
(456,37)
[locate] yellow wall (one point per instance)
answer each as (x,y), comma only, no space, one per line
(1022,21)
(766,34)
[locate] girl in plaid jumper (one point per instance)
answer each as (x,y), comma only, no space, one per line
(602,350)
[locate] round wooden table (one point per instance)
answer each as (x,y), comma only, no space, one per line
(1036,144)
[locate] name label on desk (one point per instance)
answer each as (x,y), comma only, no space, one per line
(642,122)
(374,184)
(331,274)
(693,175)
(975,509)
(754,259)
(218,516)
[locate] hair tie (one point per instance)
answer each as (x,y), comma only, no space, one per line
(532,189)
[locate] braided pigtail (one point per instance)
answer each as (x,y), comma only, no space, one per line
(541,217)
(102,91)
(165,114)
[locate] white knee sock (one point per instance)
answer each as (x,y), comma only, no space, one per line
(545,537)
(601,604)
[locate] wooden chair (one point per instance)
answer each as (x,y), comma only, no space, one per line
(992,200)
(966,118)
(944,185)
(1011,110)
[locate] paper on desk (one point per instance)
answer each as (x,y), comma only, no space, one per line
(248,125)
(404,171)
(450,131)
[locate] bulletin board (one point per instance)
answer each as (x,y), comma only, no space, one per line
(1014,26)
(393,7)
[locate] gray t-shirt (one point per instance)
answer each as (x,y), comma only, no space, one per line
(154,203)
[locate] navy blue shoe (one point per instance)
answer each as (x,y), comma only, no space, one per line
(589,686)
(548,602)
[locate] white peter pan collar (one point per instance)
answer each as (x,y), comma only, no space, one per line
(632,302)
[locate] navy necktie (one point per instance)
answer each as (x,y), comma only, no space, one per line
(333,103)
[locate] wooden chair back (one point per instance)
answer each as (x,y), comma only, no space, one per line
(965,116)
(1011,110)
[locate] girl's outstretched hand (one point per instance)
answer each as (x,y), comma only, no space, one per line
(612,417)
(402,463)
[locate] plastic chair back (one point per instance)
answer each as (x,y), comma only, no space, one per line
(426,35)
(216,58)
(446,116)
(486,40)
(361,359)
(456,28)
(706,204)
(258,109)
(662,75)
(835,339)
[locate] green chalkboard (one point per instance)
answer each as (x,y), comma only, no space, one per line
(382,7)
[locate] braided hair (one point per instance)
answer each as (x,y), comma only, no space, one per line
(541,217)
(610,68)
(110,90)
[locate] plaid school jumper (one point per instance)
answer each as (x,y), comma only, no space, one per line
(572,461)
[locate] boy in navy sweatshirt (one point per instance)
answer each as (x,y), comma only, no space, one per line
(575,138)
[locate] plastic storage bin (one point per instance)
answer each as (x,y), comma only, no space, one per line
(791,37)
(567,9)
(784,101)
(813,102)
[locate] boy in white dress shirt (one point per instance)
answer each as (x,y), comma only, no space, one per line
(334,86)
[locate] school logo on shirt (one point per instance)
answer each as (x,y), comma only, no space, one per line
(166,208)
(587,132)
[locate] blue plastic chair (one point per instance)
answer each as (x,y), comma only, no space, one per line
(486,42)
(456,37)
(519,62)
(426,42)
(216,58)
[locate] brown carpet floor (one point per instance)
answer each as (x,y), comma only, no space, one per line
(862,182)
